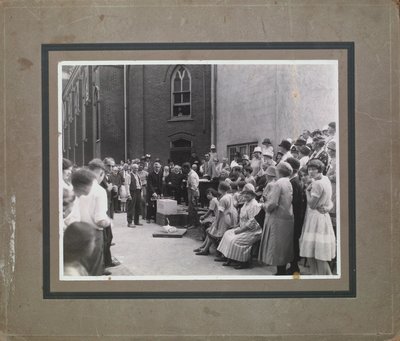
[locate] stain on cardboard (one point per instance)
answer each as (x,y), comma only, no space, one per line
(68,38)
(24,63)
(211,312)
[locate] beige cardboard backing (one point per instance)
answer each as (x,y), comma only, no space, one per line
(372,25)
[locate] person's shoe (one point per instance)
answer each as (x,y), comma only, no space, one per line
(112,244)
(242,266)
(112,264)
(228,263)
(202,253)
(139,224)
(220,259)
(292,271)
(131,225)
(198,249)
(106,273)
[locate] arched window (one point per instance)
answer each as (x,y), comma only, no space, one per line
(181,93)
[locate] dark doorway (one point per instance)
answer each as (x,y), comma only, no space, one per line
(180,151)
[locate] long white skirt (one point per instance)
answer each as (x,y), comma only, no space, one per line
(317,239)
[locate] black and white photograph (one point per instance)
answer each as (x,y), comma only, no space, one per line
(193,169)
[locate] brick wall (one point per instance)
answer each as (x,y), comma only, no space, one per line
(150,125)
(112,111)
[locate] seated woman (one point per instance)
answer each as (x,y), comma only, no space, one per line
(79,243)
(277,239)
(317,241)
(237,242)
(210,216)
(226,218)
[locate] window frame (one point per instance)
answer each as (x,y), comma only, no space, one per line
(248,145)
(174,92)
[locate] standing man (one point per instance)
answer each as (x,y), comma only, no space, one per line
(143,179)
(193,194)
(204,166)
(154,190)
(116,180)
(94,208)
(83,181)
(134,197)
(211,172)
(112,190)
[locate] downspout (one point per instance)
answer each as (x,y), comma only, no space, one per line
(213,118)
(125,119)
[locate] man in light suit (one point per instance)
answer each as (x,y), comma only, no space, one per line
(134,198)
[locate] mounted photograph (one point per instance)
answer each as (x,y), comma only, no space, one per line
(199,170)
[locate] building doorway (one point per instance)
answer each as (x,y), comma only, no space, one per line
(180,151)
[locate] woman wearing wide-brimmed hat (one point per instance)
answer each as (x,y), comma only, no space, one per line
(237,242)
(276,246)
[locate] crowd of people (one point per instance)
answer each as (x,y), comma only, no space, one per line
(275,207)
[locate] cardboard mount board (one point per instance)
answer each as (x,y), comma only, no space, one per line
(373,28)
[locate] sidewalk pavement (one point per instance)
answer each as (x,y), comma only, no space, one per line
(142,255)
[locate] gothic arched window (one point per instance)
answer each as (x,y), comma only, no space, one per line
(181,93)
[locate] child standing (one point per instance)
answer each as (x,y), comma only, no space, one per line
(123,196)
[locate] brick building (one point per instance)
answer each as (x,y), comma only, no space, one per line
(169,111)
(128,111)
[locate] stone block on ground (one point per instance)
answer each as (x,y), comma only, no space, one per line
(163,234)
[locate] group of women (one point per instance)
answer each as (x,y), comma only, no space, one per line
(291,220)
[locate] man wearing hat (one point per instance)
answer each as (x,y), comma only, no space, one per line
(300,142)
(299,204)
(211,171)
(285,146)
(245,160)
(331,132)
(304,155)
(236,160)
(319,152)
(147,163)
(267,145)
(256,161)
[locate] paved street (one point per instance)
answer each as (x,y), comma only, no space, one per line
(142,255)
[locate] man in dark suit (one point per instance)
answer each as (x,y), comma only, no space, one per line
(112,190)
(154,190)
(299,209)
(134,198)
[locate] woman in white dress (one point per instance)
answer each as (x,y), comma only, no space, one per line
(237,242)
(317,241)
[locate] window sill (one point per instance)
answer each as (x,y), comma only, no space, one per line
(178,119)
